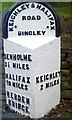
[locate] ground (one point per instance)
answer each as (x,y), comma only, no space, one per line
(63,111)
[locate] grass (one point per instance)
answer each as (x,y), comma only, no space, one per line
(61,8)
(0,5)
(7,5)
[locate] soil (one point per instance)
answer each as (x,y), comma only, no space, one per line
(63,111)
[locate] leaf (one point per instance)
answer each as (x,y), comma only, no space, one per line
(70,110)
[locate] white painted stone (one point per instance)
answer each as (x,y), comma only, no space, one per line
(17,23)
(32,33)
(45,59)
(32,42)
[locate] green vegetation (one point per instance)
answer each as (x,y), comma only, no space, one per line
(66,85)
(0,5)
(62,8)
(7,5)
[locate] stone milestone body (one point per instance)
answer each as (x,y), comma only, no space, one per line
(31,40)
